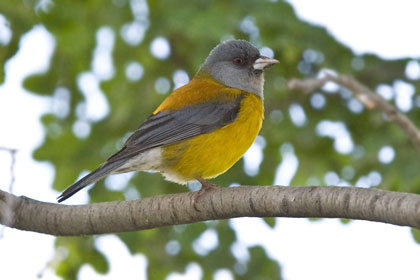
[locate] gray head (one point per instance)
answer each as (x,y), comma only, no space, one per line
(238,64)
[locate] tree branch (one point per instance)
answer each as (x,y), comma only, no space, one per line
(366,96)
(167,210)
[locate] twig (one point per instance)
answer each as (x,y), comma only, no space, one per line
(12,176)
(12,166)
(12,170)
(366,96)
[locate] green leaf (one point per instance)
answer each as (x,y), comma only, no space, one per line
(416,234)
(271,222)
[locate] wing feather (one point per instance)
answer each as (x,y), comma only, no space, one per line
(170,127)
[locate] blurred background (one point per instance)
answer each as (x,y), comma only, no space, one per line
(77,77)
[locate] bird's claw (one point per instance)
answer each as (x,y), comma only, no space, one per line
(206,186)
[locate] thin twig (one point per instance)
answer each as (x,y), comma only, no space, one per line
(12,176)
(7,149)
(12,166)
(12,170)
(366,96)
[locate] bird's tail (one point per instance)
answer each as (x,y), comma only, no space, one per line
(92,177)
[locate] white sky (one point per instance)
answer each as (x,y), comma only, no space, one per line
(324,249)
(386,28)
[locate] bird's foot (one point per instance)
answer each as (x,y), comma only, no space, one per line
(206,186)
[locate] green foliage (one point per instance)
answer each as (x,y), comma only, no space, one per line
(80,251)
(416,234)
(262,269)
(192,29)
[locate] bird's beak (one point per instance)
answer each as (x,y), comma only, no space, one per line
(264,62)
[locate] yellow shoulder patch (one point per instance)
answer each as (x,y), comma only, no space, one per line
(197,91)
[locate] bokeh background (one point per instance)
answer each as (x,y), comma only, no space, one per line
(78,76)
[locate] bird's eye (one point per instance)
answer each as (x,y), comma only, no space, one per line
(238,61)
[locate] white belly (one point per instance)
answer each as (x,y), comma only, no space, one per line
(149,160)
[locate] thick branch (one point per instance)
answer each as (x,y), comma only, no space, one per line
(367,97)
(166,210)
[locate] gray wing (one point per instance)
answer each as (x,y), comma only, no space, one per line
(165,128)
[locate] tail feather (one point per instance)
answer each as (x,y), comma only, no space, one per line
(92,177)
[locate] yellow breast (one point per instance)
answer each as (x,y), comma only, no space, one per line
(209,155)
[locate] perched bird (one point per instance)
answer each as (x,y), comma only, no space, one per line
(202,128)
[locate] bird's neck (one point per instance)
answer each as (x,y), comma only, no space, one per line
(255,87)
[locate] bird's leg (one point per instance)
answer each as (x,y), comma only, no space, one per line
(205,187)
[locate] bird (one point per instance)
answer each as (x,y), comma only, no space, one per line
(202,128)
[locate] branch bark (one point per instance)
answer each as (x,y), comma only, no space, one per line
(366,96)
(247,201)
